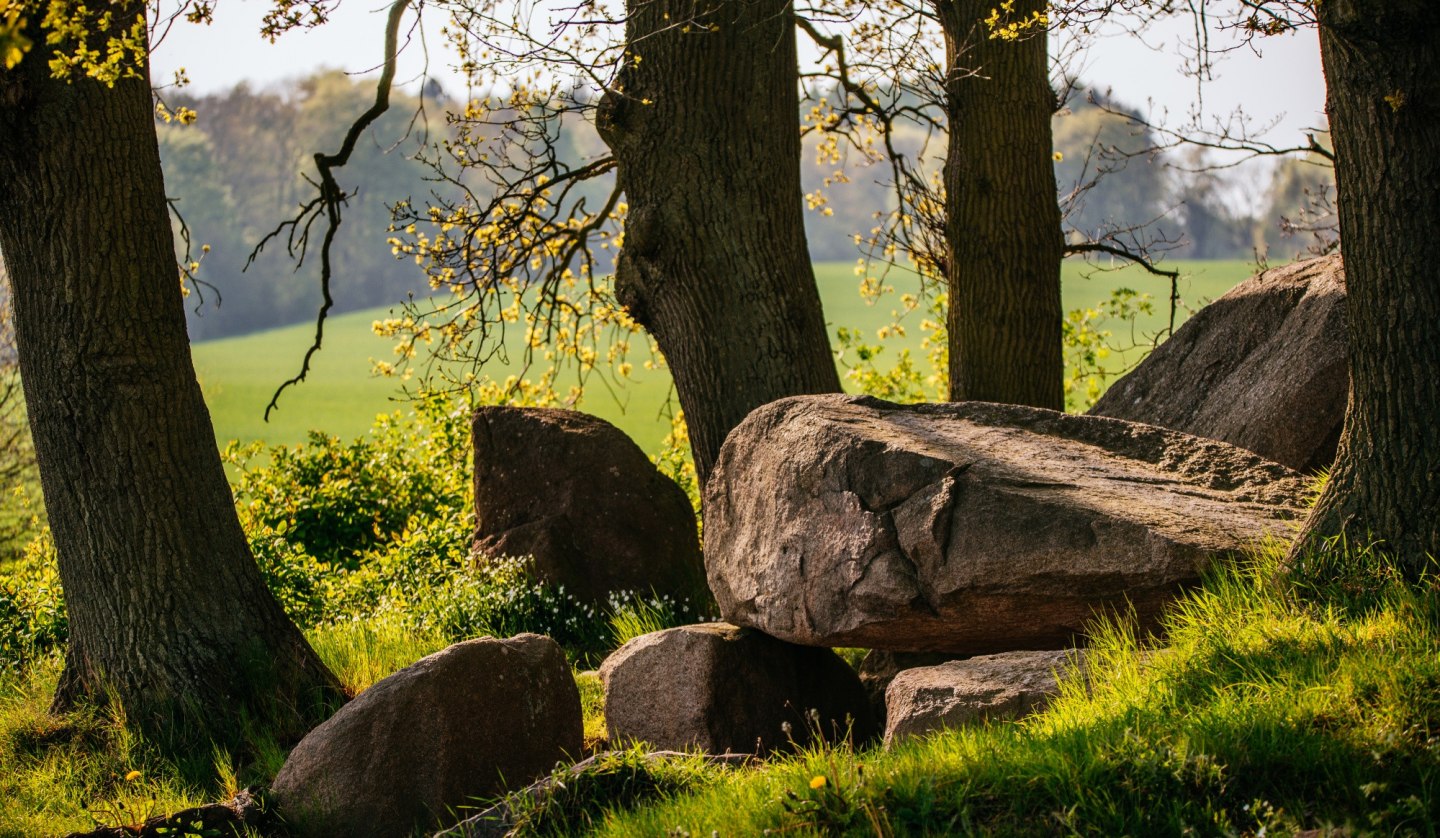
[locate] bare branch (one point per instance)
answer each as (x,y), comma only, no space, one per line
(331,197)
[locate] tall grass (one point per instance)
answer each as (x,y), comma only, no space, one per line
(70,772)
(1268,711)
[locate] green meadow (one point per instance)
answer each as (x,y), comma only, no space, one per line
(342,397)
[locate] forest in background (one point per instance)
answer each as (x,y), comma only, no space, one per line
(237,171)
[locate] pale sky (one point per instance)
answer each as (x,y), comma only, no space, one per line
(1284,84)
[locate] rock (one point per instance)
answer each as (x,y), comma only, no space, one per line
(879,667)
(1004,686)
(1263,367)
(724,689)
(578,495)
(970,528)
(475,720)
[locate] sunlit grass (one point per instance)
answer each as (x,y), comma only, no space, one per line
(1268,712)
(341,397)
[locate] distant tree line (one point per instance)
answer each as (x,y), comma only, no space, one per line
(235,173)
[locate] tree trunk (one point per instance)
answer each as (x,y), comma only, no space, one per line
(1382,68)
(1002,231)
(168,612)
(704,123)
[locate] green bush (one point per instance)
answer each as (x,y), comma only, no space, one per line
(376,528)
(32,610)
(336,501)
(332,553)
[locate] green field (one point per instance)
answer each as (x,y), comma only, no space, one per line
(341,396)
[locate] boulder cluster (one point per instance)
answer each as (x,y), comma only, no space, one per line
(963,550)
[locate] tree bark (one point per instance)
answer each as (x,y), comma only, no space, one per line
(168,612)
(1382,69)
(1002,231)
(704,125)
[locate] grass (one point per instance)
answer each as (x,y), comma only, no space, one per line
(1274,712)
(341,397)
(71,772)
(1277,707)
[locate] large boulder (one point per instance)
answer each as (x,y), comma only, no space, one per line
(970,528)
(988,687)
(1263,367)
(724,689)
(478,719)
(578,495)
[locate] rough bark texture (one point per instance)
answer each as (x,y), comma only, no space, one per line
(1263,367)
(166,604)
(1002,231)
(1382,68)
(970,528)
(714,262)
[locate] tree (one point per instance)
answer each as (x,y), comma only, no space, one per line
(991,230)
(1300,206)
(232,176)
(1002,221)
(1382,70)
(168,612)
(714,262)
(698,105)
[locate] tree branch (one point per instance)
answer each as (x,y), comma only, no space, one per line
(331,197)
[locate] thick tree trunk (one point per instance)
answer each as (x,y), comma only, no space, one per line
(1002,231)
(704,124)
(1382,68)
(168,612)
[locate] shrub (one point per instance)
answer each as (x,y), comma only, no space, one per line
(336,501)
(32,610)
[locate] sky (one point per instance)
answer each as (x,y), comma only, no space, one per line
(1282,84)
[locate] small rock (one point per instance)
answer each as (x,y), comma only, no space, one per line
(1263,367)
(578,495)
(879,667)
(1004,686)
(724,689)
(474,720)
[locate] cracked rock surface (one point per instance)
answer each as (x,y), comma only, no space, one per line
(970,528)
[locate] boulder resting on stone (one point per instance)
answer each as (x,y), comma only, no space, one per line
(1262,367)
(970,528)
(474,720)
